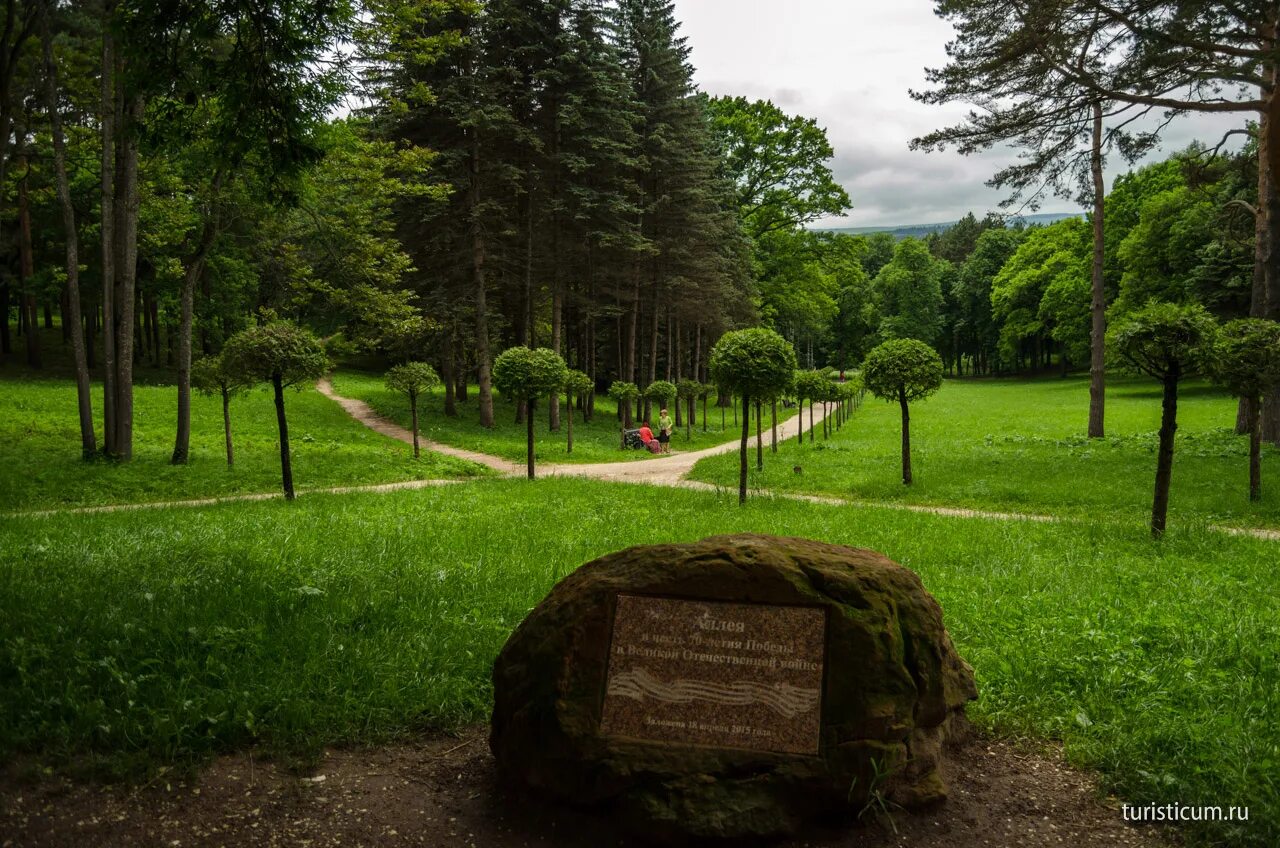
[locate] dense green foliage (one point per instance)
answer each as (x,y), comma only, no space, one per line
(138,638)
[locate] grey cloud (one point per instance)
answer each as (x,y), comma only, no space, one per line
(850,65)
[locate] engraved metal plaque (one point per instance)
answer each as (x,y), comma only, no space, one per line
(719,674)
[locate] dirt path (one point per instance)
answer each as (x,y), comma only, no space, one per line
(662,470)
(673,469)
(442,792)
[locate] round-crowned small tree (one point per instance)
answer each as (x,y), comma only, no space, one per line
(283,354)
(576,384)
(527,375)
(1245,360)
(1166,341)
(624,394)
(687,390)
(209,376)
(661,392)
(903,370)
(412,379)
(752,363)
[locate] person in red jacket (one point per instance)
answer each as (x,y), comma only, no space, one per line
(646,435)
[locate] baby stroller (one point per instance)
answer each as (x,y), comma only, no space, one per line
(631,439)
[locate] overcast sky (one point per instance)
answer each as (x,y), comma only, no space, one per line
(849,64)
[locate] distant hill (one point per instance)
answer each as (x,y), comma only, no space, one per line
(922,230)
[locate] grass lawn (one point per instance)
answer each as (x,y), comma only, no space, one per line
(594,441)
(1019,445)
(150,638)
(40,465)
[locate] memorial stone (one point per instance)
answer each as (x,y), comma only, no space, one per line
(734,687)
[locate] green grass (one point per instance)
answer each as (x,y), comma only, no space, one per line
(159,637)
(1019,445)
(42,468)
(594,441)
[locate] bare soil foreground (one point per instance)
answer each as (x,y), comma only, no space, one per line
(442,792)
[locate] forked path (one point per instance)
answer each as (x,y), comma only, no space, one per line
(673,469)
(667,470)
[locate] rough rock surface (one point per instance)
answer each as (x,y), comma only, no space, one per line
(894,685)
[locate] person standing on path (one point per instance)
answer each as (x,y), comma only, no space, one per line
(665,426)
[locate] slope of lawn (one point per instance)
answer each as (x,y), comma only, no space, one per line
(1019,446)
(40,464)
(138,639)
(595,441)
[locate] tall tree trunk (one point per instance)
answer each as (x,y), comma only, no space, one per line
(906,440)
(1269,203)
(1164,460)
(569,409)
(742,451)
(447,377)
(71,323)
(26,265)
(126,208)
(1098,304)
(286,466)
(478,281)
(773,425)
(226,425)
(6,341)
(191,274)
(1258,293)
(460,370)
(107,196)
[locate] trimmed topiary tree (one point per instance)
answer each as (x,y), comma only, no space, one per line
(209,376)
(662,392)
(903,370)
(1245,360)
(527,375)
(1166,341)
(283,354)
(412,379)
(755,363)
(624,394)
(576,384)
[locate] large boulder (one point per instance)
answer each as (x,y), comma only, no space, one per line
(891,687)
